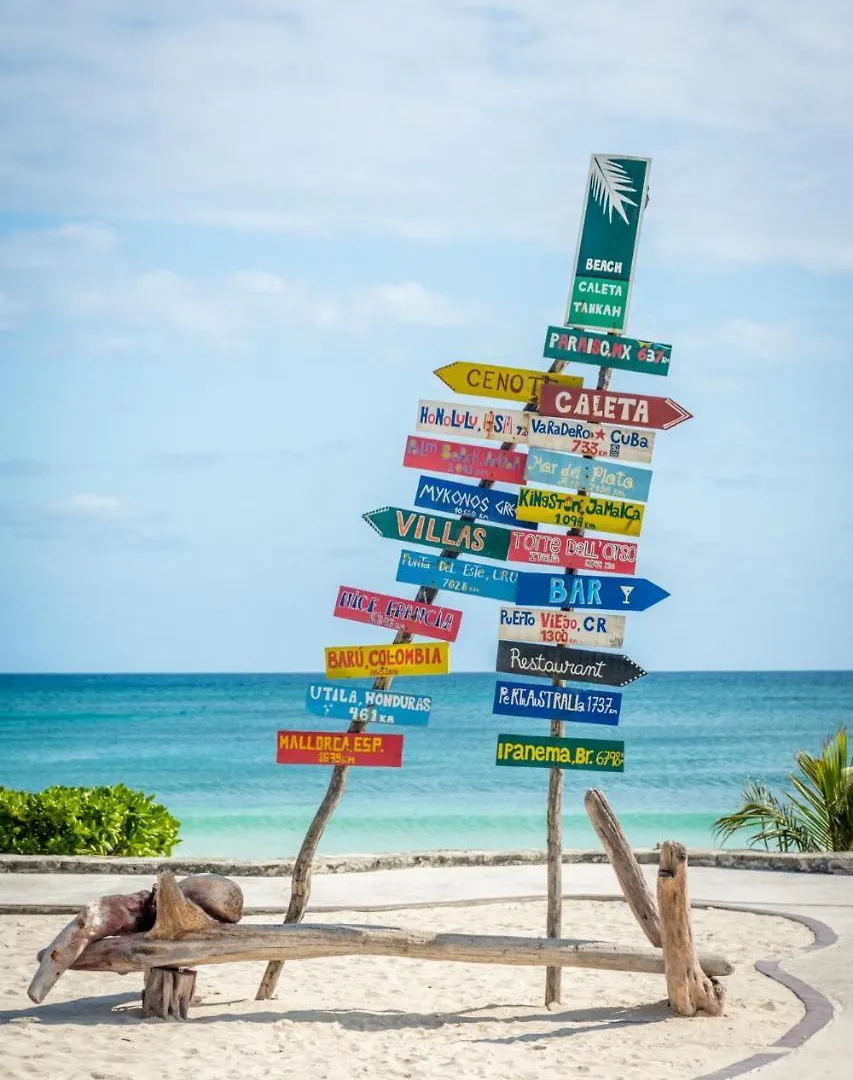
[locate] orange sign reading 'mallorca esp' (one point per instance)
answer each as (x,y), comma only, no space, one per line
(339,748)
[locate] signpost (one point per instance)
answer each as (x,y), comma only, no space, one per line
(588,591)
(560,627)
(384,661)
(507,383)
(395,613)
(616,197)
(533,701)
(600,477)
(469,500)
(589,347)
(457,575)
(542,752)
(393,523)
(461,459)
(574,552)
(338,748)
(580,511)
(635,410)
(337,702)
(472,422)
(574,665)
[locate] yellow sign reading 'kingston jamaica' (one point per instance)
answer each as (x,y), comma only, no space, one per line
(377,661)
(580,511)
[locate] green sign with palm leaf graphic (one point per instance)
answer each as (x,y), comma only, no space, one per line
(607,243)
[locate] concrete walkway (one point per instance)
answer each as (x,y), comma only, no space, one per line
(825,1055)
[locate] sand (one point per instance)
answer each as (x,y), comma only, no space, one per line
(393,1019)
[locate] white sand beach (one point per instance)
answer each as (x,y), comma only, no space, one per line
(393,1018)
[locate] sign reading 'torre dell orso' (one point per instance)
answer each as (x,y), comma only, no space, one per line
(607,242)
(573,552)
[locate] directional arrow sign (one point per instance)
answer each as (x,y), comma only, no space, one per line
(432,530)
(575,665)
(586,591)
(580,511)
(589,347)
(600,477)
(557,703)
(575,552)
(457,575)
(338,748)
(460,459)
(472,422)
(395,613)
(381,661)
(487,380)
(469,500)
(635,410)
(561,627)
(338,702)
(549,753)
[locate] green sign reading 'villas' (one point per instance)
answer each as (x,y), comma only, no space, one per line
(607,243)
(540,751)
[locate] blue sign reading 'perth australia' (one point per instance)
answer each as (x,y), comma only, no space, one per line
(587,591)
(557,703)
(469,500)
(373,706)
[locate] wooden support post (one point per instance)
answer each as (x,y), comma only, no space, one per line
(688,987)
(168,992)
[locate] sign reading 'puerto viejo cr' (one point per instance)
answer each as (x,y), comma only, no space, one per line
(607,242)
(557,703)
(588,591)
(580,511)
(574,665)
(509,384)
(337,702)
(574,552)
(339,748)
(461,459)
(469,500)
(635,410)
(396,613)
(598,477)
(589,347)
(432,530)
(560,627)
(379,661)
(545,752)
(457,575)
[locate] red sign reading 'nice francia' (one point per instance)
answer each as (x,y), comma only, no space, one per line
(394,613)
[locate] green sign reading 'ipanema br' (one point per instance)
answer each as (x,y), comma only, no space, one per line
(607,243)
(540,751)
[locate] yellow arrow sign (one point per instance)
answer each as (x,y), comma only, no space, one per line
(509,383)
(380,661)
(580,511)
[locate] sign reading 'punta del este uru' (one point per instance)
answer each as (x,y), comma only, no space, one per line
(607,242)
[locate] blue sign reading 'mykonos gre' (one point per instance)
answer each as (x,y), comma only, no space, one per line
(598,476)
(374,706)
(468,500)
(587,591)
(457,575)
(557,703)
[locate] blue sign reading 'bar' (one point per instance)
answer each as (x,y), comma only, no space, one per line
(587,591)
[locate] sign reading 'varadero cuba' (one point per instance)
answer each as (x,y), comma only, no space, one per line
(541,751)
(627,354)
(339,702)
(573,552)
(607,242)
(461,459)
(395,613)
(380,661)
(557,703)
(509,384)
(457,575)
(580,511)
(339,748)
(432,530)
(598,477)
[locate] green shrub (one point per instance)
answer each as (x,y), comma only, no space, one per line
(85,821)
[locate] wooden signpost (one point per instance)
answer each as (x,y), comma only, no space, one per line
(469,500)
(560,627)
(611,350)
(559,662)
(457,575)
(395,613)
(578,473)
(588,591)
(542,752)
(450,534)
(634,410)
(382,661)
(337,702)
(462,459)
(339,748)
(574,552)
(492,381)
(534,701)
(579,511)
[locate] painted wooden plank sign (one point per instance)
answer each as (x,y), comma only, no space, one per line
(561,627)
(337,702)
(597,477)
(557,703)
(546,752)
(432,530)
(574,552)
(558,662)
(457,575)
(470,500)
(492,381)
(339,748)
(634,410)
(581,511)
(460,459)
(472,421)
(379,661)
(396,613)
(591,347)
(588,591)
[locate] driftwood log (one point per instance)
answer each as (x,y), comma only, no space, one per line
(690,985)
(634,888)
(168,993)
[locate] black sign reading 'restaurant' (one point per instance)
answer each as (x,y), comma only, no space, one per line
(558,662)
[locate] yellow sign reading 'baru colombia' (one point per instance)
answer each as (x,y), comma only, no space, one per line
(377,661)
(580,511)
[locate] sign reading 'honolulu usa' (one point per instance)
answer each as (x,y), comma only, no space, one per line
(469,500)
(543,752)
(558,662)
(627,354)
(457,575)
(509,384)
(338,748)
(432,530)
(574,552)
(560,627)
(586,591)
(556,703)
(461,459)
(338,702)
(395,613)
(580,511)
(380,661)
(600,477)
(607,242)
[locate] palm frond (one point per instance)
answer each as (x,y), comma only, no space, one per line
(611,185)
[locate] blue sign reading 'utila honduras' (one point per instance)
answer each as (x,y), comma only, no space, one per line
(557,703)
(469,500)
(339,702)
(457,575)
(587,591)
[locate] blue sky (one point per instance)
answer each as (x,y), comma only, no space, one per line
(237,238)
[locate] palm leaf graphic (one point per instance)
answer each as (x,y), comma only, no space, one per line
(611,186)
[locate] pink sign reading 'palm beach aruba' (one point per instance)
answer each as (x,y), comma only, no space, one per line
(460,459)
(575,552)
(395,613)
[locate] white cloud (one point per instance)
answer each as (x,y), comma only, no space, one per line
(47,249)
(89,507)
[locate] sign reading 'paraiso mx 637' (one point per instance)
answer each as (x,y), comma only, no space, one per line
(378,661)
(338,748)
(558,662)
(457,575)
(339,702)
(587,591)
(589,347)
(580,511)
(573,552)
(433,530)
(509,384)
(597,477)
(395,613)
(557,703)
(544,752)
(635,410)
(460,459)
(560,627)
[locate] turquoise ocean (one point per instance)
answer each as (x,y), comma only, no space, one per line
(205,744)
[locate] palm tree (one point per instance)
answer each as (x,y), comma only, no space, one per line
(817,816)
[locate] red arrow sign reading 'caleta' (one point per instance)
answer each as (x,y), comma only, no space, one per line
(633,410)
